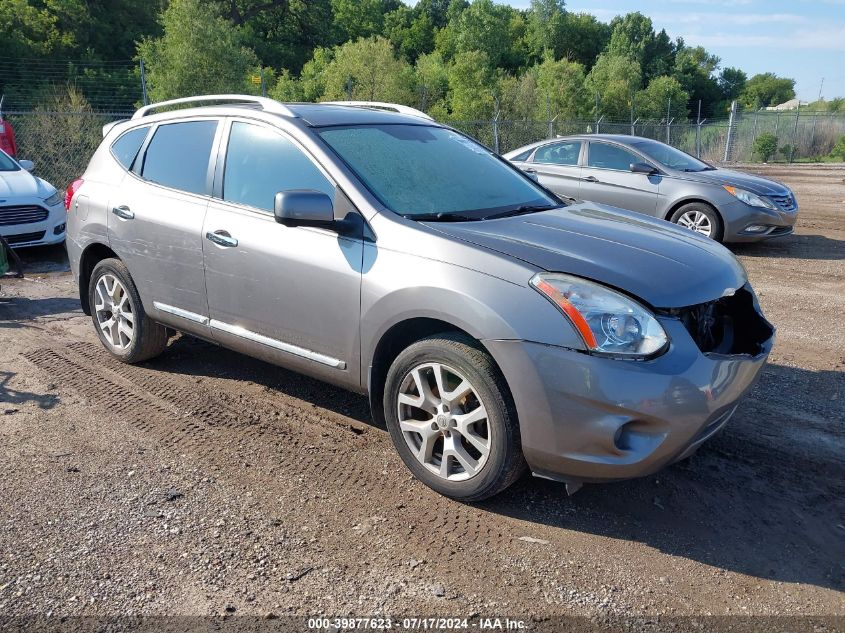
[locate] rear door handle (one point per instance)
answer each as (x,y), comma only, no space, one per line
(590,179)
(123,212)
(221,238)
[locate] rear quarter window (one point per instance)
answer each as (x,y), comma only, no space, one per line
(178,155)
(126,147)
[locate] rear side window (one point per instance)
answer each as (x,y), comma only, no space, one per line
(611,157)
(126,147)
(558,154)
(260,163)
(178,155)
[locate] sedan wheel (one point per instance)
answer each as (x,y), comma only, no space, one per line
(696,221)
(113,312)
(443,421)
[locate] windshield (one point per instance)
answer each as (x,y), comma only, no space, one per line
(425,172)
(6,163)
(670,157)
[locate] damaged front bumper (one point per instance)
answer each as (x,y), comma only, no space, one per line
(585,418)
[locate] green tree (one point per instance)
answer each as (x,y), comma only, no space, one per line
(765,146)
(287,88)
(411,32)
(517,96)
(560,90)
(283,33)
(199,52)
(732,82)
(497,30)
(368,70)
(471,86)
(545,26)
(432,84)
(767,89)
(615,79)
(582,38)
(354,19)
(662,94)
(694,69)
(839,149)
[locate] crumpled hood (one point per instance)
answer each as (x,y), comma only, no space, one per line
(19,184)
(754,184)
(661,264)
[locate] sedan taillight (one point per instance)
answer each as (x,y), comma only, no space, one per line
(72,188)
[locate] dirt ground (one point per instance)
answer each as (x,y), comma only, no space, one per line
(205,482)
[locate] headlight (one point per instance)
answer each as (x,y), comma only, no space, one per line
(608,321)
(56,198)
(749,198)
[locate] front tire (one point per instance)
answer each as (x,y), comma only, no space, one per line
(451,418)
(119,318)
(700,218)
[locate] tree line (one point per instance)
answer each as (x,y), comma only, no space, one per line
(454,59)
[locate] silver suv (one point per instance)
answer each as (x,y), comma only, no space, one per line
(492,324)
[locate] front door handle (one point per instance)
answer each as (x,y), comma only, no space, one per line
(221,238)
(123,212)
(590,179)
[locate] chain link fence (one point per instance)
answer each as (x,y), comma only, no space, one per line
(61,143)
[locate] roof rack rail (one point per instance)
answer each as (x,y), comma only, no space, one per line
(268,105)
(381,105)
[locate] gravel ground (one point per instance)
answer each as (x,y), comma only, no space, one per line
(208,483)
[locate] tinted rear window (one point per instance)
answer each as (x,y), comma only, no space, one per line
(178,155)
(126,147)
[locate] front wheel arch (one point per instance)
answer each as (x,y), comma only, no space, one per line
(681,206)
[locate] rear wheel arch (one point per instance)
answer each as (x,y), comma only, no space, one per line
(91,256)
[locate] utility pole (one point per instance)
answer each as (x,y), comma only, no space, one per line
(668,122)
(144,98)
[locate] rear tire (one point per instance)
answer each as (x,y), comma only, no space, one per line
(701,218)
(119,318)
(465,413)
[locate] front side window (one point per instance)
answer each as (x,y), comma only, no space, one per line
(178,155)
(422,171)
(559,153)
(125,148)
(606,156)
(260,163)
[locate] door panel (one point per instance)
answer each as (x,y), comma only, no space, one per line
(297,288)
(557,167)
(289,294)
(156,228)
(606,178)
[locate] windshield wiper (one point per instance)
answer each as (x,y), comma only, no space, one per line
(441,216)
(521,210)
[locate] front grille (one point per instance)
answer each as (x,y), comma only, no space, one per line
(22,238)
(730,325)
(785,202)
(22,215)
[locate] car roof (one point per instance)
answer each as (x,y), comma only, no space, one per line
(625,139)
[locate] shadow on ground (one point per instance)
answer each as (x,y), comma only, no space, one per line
(794,247)
(757,499)
(16,311)
(12,396)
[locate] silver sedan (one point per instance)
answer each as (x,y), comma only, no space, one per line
(654,178)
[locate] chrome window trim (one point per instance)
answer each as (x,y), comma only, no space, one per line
(236,330)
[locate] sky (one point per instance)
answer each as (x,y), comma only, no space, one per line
(800,39)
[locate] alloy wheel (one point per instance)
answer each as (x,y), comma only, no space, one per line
(443,421)
(696,221)
(114,312)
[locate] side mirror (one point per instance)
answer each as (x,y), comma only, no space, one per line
(532,174)
(27,164)
(643,168)
(303,206)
